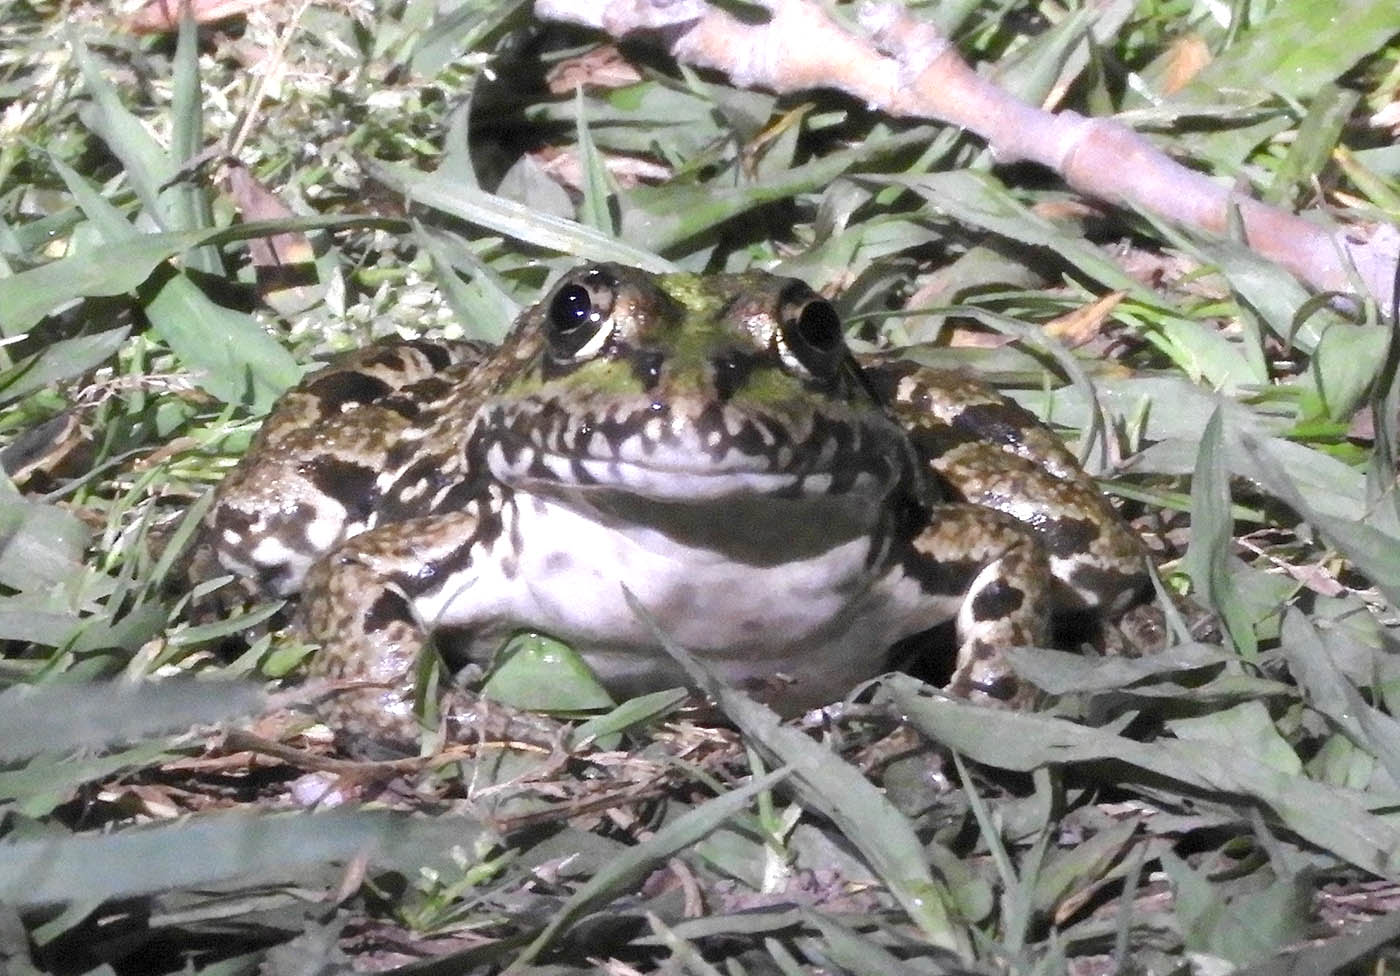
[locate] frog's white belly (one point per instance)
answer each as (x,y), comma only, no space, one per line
(808,621)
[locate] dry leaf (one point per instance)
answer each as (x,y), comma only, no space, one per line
(1185,59)
(163,16)
(1079,326)
(566,168)
(286,262)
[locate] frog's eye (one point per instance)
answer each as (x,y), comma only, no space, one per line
(811,331)
(571,309)
(577,315)
(820,326)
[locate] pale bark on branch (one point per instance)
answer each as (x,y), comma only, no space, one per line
(906,68)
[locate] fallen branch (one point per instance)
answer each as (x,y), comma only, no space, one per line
(906,68)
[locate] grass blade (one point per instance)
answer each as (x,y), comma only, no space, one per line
(632,865)
(825,783)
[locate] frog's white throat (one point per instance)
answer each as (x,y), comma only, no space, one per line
(758,585)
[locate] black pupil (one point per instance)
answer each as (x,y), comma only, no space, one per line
(571,308)
(820,326)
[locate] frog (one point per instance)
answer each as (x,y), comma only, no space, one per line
(708,445)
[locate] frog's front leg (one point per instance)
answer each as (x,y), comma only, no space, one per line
(371,605)
(996,572)
(311,477)
(986,449)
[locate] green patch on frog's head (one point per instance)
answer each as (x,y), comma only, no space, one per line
(686,387)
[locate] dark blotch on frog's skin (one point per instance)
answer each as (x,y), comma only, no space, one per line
(939,578)
(237,521)
(388,608)
(581,474)
(349,483)
(844,476)
(843,442)
(999,423)
(748,439)
(394,357)
(1087,577)
(995,601)
(405,407)
(615,428)
(344,387)
(489,528)
(408,403)
(936,440)
(1065,537)
(435,352)
(425,471)
(459,495)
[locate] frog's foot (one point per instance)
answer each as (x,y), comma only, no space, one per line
(1001,571)
(364,604)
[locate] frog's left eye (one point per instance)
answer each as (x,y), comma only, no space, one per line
(578,313)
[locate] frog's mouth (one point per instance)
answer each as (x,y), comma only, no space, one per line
(661,454)
(531,467)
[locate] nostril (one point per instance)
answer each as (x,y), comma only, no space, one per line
(646,366)
(730,370)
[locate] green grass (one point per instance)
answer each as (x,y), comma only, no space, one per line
(1217,807)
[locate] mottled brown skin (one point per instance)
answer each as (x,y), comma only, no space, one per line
(784,511)
(988,450)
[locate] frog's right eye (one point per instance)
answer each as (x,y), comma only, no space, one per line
(571,309)
(577,321)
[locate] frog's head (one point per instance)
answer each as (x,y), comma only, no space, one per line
(689,388)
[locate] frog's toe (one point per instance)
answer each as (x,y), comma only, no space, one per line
(368,654)
(1000,611)
(362,605)
(1003,573)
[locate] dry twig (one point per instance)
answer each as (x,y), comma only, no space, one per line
(906,68)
